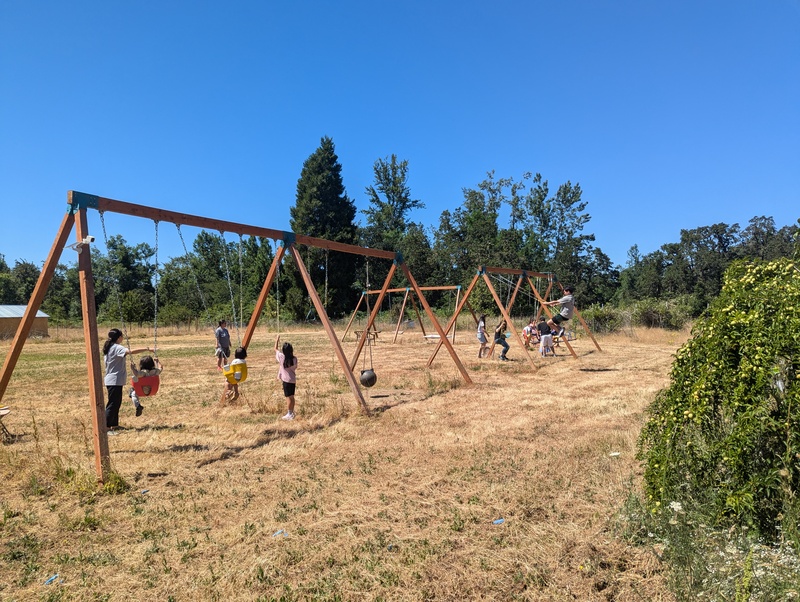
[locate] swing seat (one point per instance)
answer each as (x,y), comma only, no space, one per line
(436,337)
(7,437)
(368,377)
(372,335)
(146,386)
(235,373)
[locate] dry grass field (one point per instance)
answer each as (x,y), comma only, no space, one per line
(231,503)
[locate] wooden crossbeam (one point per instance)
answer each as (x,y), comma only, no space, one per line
(79,200)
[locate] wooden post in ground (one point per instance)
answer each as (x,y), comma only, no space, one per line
(371,321)
(509,306)
(442,335)
(401,316)
(455,322)
(419,317)
(326,324)
(102,459)
(583,322)
(550,315)
(35,302)
(508,320)
(355,311)
(464,301)
(262,297)
(539,296)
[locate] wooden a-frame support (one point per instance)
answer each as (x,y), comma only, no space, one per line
(77,205)
(427,308)
(523,275)
(409,294)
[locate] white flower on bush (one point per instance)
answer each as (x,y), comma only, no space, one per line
(676,506)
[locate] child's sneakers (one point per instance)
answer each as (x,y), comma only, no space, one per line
(288,416)
(561,332)
(135,400)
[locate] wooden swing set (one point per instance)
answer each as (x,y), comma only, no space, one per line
(409,295)
(78,203)
(523,276)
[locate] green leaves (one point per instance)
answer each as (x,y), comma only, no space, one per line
(725,433)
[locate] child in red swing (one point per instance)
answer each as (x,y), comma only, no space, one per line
(148,367)
(116,375)
(287,374)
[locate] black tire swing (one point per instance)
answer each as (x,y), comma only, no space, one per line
(368,377)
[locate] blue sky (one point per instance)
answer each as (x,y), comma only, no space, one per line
(670,115)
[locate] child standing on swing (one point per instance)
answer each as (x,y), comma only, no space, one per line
(114,354)
(287,374)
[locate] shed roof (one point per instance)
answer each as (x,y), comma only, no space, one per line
(17,311)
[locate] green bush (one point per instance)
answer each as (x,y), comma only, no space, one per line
(175,314)
(604,319)
(725,435)
(655,313)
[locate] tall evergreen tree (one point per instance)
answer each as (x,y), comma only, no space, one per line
(323,210)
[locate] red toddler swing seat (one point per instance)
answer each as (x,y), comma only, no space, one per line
(146,386)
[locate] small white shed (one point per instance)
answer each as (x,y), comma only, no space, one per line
(11,316)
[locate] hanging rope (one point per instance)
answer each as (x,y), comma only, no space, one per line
(115,283)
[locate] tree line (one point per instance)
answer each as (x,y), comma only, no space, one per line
(544,230)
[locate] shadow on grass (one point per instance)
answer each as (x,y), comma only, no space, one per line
(150,427)
(270,434)
(397,400)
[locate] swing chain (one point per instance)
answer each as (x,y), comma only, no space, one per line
(230,286)
(156,282)
(115,282)
(191,269)
(326,278)
(278,247)
(241,285)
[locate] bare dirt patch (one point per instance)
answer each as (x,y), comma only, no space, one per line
(505,490)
